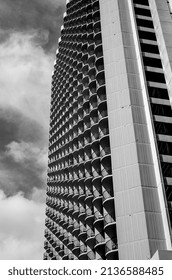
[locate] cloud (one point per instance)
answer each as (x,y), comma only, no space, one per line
(22,228)
(25,77)
(11,180)
(28,38)
(44,16)
(25,82)
(26,153)
(23,168)
(15,126)
(38,195)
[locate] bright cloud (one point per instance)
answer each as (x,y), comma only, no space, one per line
(25,78)
(29,154)
(38,195)
(22,228)
(22,152)
(23,167)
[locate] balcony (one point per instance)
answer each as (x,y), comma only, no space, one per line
(97,187)
(170,206)
(102,110)
(83,234)
(81,170)
(82,214)
(106,168)
(88,170)
(86,95)
(57,247)
(61,253)
(96,169)
(92,57)
(94,116)
(93,101)
(76,249)
(45,245)
(87,152)
(92,74)
(87,137)
(90,241)
(45,256)
(90,40)
(103,127)
(75,211)
(70,245)
(87,122)
(166,158)
(98,215)
(65,257)
(110,223)
(84,59)
(75,192)
(96,16)
(92,87)
(107,186)
(85,82)
(83,256)
(81,152)
(91,255)
(94,132)
(164,138)
(100,245)
(65,241)
(111,250)
(104,146)
(80,141)
(86,108)
(75,231)
(89,215)
(168,188)
(99,56)
(91,50)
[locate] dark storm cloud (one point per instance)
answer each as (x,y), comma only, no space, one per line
(14,126)
(25,15)
(23,153)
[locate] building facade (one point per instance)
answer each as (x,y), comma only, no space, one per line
(109,188)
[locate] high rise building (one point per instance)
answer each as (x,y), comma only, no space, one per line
(109,193)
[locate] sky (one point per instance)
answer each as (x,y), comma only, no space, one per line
(29,32)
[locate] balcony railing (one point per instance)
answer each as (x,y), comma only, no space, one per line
(111,245)
(99,239)
(109,219)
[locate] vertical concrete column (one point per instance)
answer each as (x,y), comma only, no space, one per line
(138,215)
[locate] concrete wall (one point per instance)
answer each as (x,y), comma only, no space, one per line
(138,215)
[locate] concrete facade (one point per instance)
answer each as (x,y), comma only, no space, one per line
(109,193)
